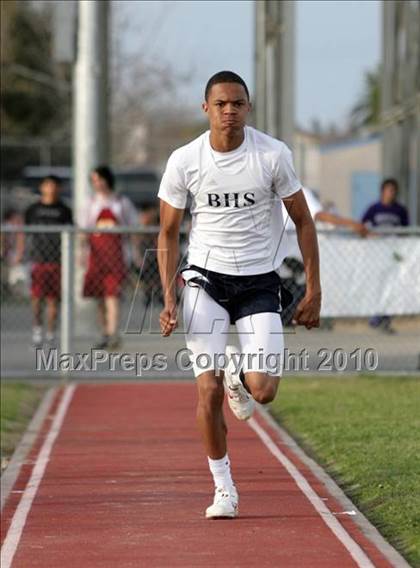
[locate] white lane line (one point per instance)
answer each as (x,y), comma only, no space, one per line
(14,533)
(11,473)
(338,530)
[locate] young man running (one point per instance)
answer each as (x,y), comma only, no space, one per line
(236,177)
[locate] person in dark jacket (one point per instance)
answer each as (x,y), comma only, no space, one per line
(386,212)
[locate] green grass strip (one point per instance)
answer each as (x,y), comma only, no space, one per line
(366,432)
(18,402)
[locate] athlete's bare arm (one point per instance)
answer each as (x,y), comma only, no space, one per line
(168,254)
(308,309)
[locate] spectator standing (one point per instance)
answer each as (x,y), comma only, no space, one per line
(107,264)
(45,256)
(386,212)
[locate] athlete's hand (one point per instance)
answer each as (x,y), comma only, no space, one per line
(308,310)
(168,319)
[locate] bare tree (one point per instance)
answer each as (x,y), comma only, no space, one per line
(146,122)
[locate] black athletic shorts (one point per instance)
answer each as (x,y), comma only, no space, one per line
(242,295)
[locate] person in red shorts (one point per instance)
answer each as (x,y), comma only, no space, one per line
(45,255)
(107,263)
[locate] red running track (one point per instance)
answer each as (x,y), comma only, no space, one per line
(126,485)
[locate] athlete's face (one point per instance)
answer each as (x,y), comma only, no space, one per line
(227,107)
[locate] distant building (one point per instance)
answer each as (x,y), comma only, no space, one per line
(344,172)
(350,174)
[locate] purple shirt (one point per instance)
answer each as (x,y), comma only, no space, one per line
(380,215)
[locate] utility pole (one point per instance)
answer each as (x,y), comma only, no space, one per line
(90,141)
(400,99)
(274,68)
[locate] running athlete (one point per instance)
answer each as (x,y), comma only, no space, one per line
(237,178)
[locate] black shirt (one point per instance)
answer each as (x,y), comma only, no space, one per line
(46,247)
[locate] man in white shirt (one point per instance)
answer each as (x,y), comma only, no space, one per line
(292,270)
(318,215)
(237,178)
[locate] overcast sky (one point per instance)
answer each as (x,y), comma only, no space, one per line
(336,42)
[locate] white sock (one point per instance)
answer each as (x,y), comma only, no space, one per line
(220,470)
(50,336)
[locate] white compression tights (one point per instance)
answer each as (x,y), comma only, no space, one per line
(206,326)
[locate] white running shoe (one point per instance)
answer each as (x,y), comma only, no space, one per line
(225,504)
(240,401)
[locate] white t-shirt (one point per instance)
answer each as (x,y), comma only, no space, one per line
(121,207)
(237,219)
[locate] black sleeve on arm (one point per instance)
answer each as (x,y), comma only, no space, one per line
(29,213)
(69,216)
(406,217)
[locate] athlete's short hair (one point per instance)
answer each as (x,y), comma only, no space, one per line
(224,77)
(107,174)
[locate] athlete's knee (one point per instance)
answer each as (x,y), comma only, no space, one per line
(210,393)
(264,396)
(265,392)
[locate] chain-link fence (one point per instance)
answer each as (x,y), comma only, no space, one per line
(86,303)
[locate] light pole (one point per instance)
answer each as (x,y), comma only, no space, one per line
(90,141)
(91,132)
(274,68)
